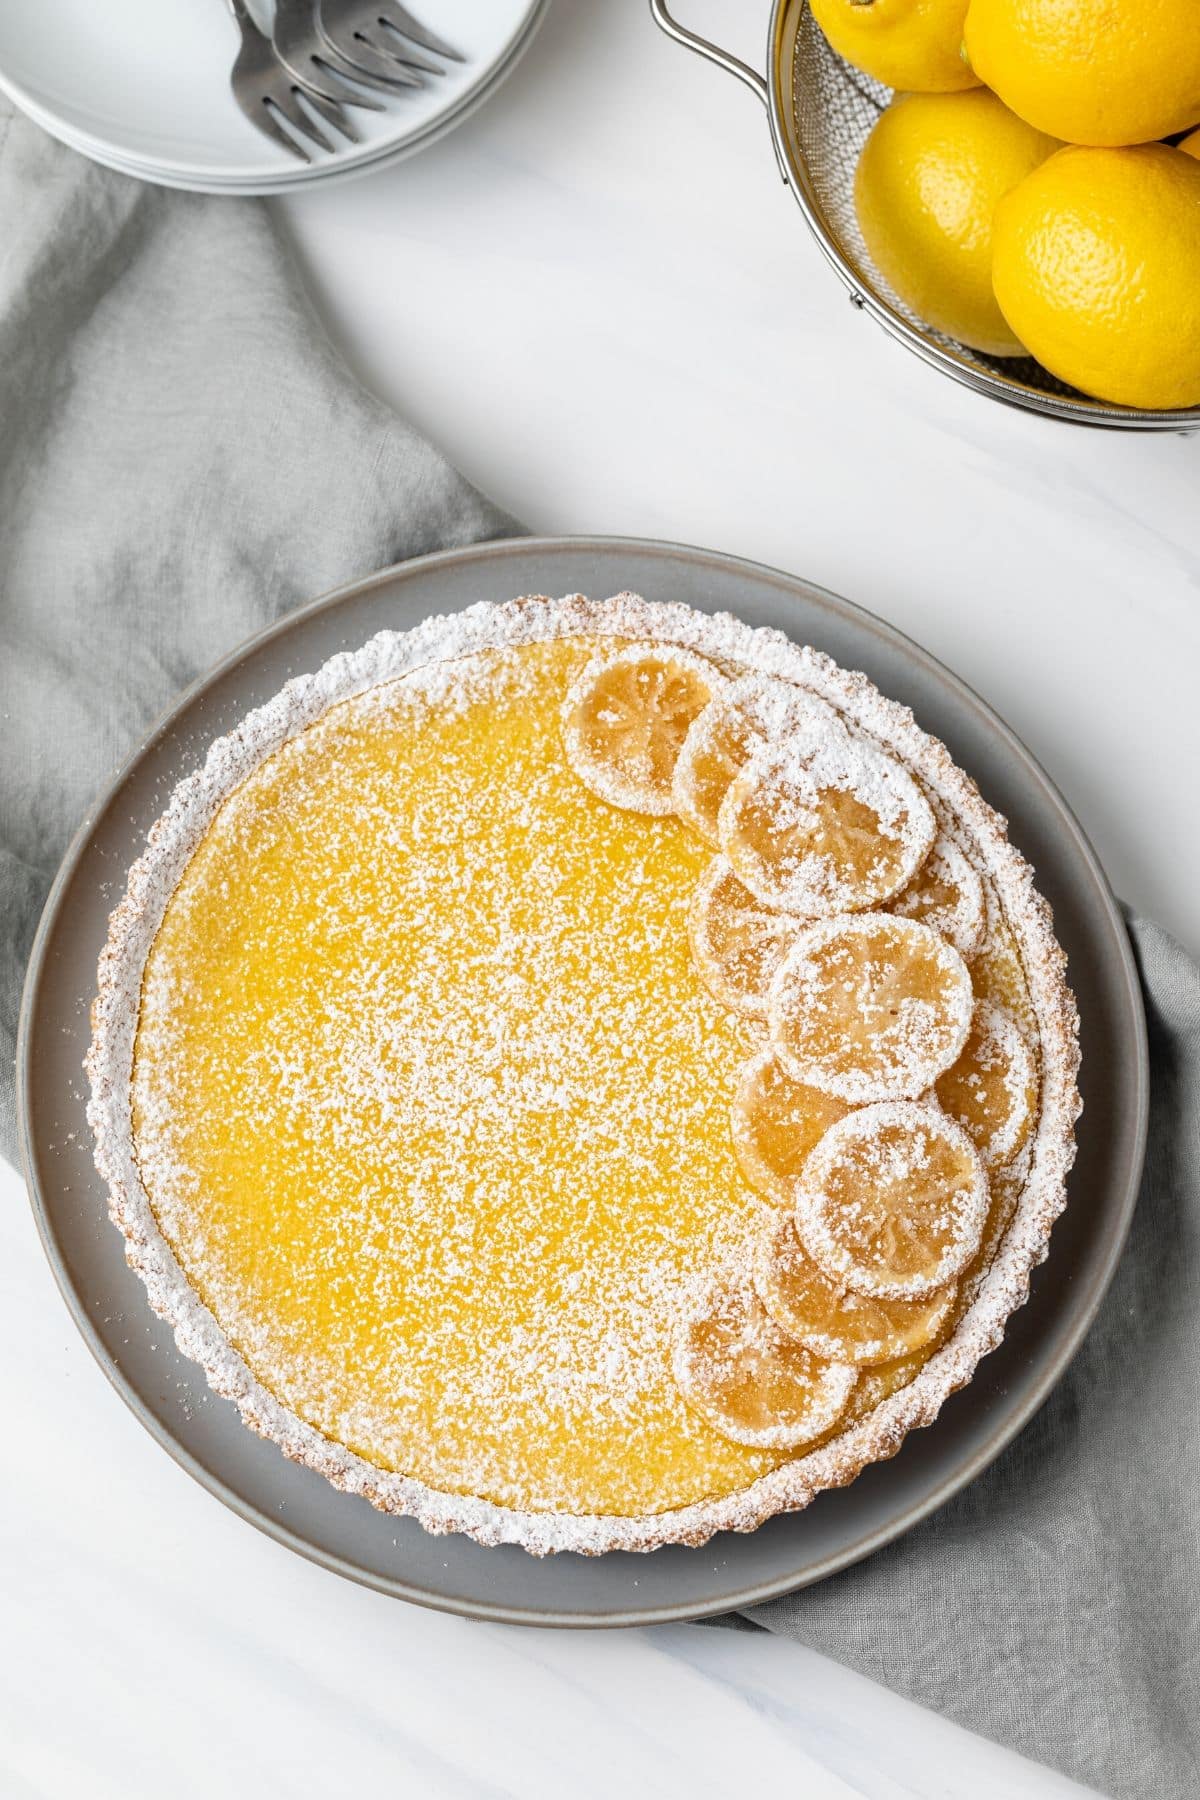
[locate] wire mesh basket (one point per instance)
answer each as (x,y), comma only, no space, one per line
(821,112)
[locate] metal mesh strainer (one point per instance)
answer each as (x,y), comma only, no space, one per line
(821,111)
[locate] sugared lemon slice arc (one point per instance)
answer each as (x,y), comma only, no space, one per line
(737,942)
(775,1122)
(870,1007)
(833,830)
(947,893)
(626,716)
(992,1089)
(751,711)
(829,1318)
(750,1382)
(893,1201)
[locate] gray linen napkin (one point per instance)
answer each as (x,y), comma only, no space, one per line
(1053,1603)
(182,458)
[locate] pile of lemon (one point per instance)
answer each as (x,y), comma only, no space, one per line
(1043,212)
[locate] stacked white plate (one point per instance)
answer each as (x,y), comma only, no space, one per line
(143,87)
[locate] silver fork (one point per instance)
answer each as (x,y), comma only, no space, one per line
(298,43)
(380,36)
(266,91)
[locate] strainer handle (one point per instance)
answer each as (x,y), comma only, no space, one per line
(733,65)
(713,53)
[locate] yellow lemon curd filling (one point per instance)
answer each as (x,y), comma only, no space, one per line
(432,1106)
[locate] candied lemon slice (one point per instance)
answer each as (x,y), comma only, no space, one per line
(737,942)
(1006,1186)
(997,972)
(870,1007)
(775,1123)
(829,1318)
(879,1383)
(832,830)
(751,1382)
(946,892)
(893,1200)
(992,1089)
(625,719)
(751,711)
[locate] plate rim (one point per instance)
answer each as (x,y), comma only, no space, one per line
(493,551)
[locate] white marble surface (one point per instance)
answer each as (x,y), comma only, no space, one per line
(600,300)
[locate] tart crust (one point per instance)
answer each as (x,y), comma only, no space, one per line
(727,641)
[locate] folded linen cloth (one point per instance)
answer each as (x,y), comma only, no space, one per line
(183,457)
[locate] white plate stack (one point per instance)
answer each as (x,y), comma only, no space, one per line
(144,88)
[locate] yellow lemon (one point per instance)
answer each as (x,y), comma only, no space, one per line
(911,44)
(1097,269)
(1191,145)
(1091,71)
(927,185)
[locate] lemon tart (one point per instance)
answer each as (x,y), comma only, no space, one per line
(584,1074)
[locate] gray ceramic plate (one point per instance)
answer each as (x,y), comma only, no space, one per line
(297,1507)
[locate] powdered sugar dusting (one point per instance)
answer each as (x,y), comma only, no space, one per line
(454,991)
(384,659)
